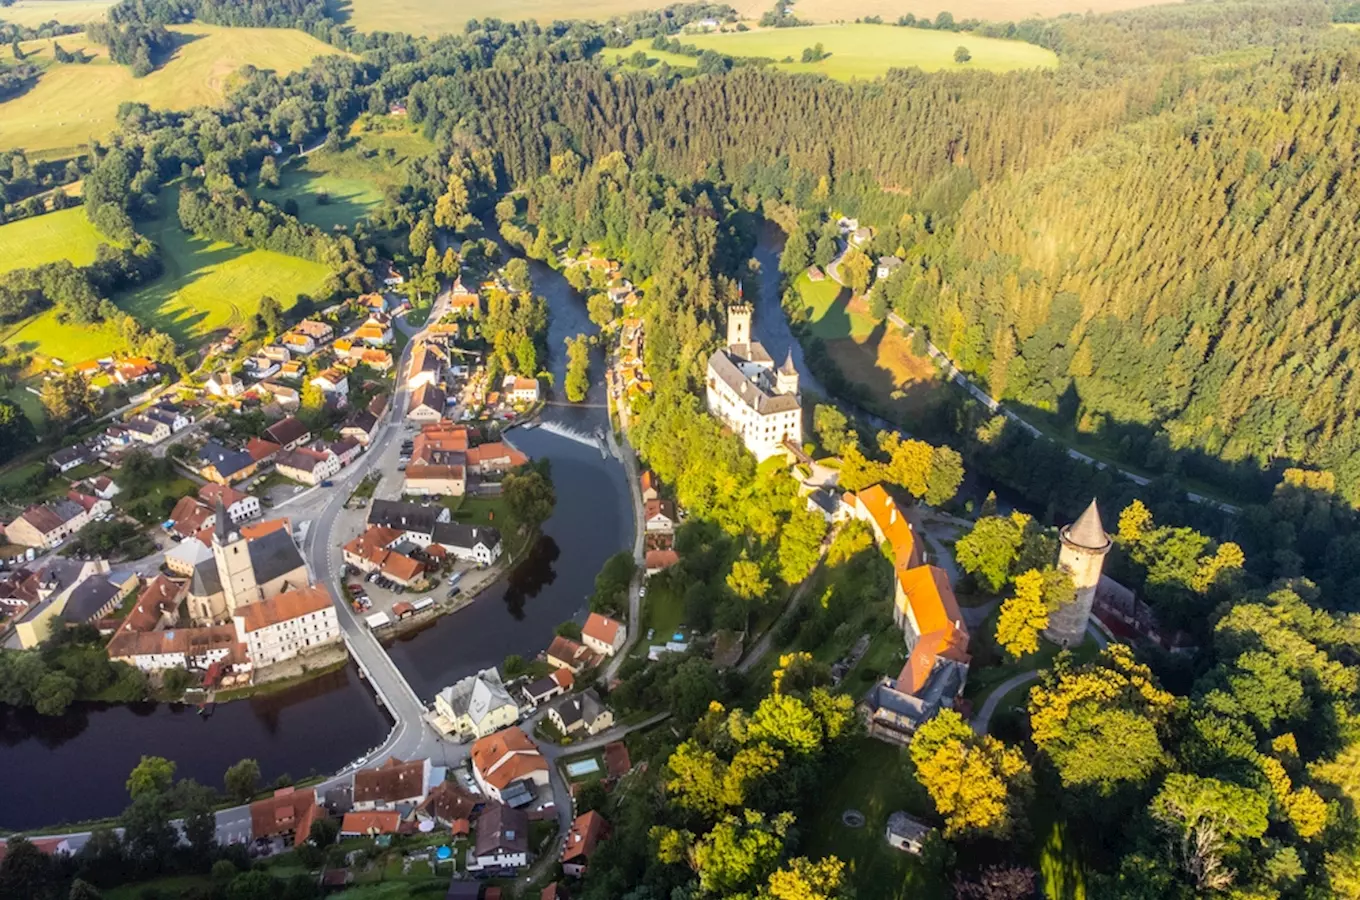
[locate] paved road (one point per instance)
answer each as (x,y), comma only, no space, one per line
(983,720)
(630,468)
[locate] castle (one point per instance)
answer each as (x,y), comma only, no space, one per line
(749,395)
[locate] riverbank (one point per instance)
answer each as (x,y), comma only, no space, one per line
(289,673)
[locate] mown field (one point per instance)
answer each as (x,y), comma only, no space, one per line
(47,334)
(209,286)
(867,51)
(34,13)
(65,234)
(340,187)
(76,103)
(438,18)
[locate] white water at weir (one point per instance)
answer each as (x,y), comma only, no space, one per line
(575,434)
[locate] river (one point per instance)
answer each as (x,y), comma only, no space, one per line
(73,767)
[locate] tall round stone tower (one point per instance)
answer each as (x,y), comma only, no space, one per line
(1084,545)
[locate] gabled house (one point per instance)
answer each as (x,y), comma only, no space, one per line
(334,385)
(475,706)
(587,831)
(306,465)
(376,332)
(240,506)
(603,634)
(288,814)
(69,458)
(584,713)
(223,465)
(508,759)
(427,404)
(392,784)
(659,516)
(225,385)
(518,389)
(502,843)
(648,484)
(478,544)
(289,433)
(548,687)
(564,653)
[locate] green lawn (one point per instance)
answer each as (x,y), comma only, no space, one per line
(867,51)
(35,241)
(45,333)
(828,310)
(209,286)
(147,501)
(654,57)
(877,780)
(663,609)
(339,187)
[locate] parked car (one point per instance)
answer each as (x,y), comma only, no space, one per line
(328,484)
(454,592)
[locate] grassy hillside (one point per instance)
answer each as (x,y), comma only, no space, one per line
(867,51)
(209,286)
(65,234)
(73,104)
(48,335)
(435,18)
(33,13)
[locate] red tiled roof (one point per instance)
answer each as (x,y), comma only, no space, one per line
(282,607)
(602,628)
(259,448)
(210,492)
(616,761)
(931,597)
(585,835)
(892,523)
(506,756)
(662,559)
(260,529)
(391,782)
(285,812)
(381,822)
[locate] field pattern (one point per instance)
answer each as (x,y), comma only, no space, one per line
(74,104)
(35,241)
(440,18)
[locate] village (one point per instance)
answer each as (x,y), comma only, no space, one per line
(233,602)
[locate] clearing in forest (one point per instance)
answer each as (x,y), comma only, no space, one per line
(75,103)
(868,51)
(339,187)
(37,240)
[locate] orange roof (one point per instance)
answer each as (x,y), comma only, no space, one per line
(891,524)
(585,834)
(927,591)
(506,756)
(342,345)
(401,567)
(391,782)
(282,607)
(661,559)
(259,448)
(375,539)
(288,810)
(916,671)
(602,628)
(496,451)
(382,822)
(268,526)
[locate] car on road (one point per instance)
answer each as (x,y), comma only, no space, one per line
(454,592)
(298,489)
(328,484)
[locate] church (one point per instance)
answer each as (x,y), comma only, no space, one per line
(753,398)
(243,571)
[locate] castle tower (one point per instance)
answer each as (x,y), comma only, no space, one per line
(1084,545)
(738,325)
(234,569)
(786,379)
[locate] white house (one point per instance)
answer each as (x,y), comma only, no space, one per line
(603,634)
(659,516)
(240,506)
(306,465)
(286,624)
(334,384)
(502,839)
(472,543)
(225,384)
(520,390)
(147,430)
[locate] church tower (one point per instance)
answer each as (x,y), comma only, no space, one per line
(234,569)
(738,325)
(786,379)
(1084,545)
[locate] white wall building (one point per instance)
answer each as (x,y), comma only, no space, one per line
(287,624)
(745,391)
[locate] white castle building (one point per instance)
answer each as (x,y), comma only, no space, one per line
(749,395)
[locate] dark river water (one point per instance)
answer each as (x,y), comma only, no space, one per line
(73,767)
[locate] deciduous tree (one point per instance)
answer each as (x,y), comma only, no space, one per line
(974,780)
